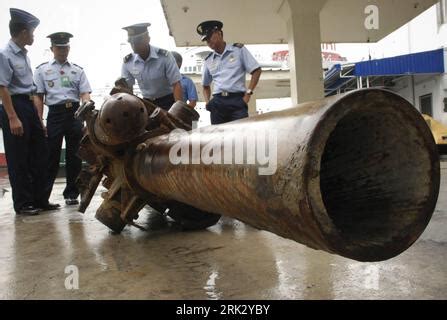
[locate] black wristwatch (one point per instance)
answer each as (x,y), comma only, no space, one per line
(249,92)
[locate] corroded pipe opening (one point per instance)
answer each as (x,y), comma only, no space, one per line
(357,174)
(379,175)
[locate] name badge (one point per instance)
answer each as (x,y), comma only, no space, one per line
(65,82)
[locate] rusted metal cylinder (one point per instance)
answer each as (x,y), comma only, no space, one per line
(357,174)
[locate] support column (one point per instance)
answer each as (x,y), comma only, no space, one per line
(303,29)
(252,106)
(413,92)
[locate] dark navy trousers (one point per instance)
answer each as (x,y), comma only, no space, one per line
(61,123)
(27,155)
(165,102)
(226,109)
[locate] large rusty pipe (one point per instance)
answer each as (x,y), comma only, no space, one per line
(357,174)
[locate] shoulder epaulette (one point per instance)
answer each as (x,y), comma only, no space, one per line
(78,66)
(127,58)
(239,45)
(41,64)
(209,55)
(163,52)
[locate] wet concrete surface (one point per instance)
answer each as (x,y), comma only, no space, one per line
(230,260)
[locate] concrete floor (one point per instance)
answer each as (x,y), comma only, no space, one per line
(228,261)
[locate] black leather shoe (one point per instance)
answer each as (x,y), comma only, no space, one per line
(49,206)
(71,201)
(29,211)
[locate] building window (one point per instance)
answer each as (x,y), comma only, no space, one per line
(426,103)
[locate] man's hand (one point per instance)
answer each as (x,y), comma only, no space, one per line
(84,110)
(16,126)
(121,86)
(246,98)
(44,128)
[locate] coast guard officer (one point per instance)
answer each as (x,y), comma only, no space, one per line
(63,85)
(189,89)
(23,133)
(154,69)
(227,66)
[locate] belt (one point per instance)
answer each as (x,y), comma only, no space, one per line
(67,105)
(23,96)
(160,98)
(229,94)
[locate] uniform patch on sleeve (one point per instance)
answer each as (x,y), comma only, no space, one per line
(163,52)
(127,58)
(41,65)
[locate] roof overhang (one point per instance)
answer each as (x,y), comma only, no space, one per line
(261,21)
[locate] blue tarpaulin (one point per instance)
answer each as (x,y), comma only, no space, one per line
(428,62)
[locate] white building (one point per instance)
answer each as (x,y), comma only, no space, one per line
(426,32)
